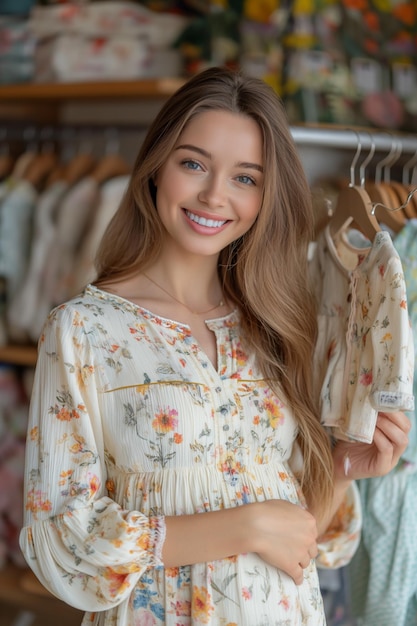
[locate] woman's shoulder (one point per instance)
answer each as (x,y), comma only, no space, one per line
(90,305)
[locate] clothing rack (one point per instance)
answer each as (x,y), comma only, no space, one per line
(348,138)
(329,137)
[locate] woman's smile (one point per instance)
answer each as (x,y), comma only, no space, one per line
(204,222)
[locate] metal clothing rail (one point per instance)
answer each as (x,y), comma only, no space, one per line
(19,130)
(350,138)
(314,136)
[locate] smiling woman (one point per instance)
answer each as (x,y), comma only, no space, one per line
(176,469)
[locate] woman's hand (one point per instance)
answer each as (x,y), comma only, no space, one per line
(285,536)
(354,460)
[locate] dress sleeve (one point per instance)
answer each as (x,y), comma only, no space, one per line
(340,542)
(83,547)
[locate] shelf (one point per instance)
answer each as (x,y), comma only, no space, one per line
(57,92)
(18,355)
(19,587)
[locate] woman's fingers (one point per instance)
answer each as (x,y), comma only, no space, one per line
(394,424)
(314,552)
(391,434)
(298,575)
(358,460)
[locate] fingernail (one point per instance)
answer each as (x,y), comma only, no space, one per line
(347,465)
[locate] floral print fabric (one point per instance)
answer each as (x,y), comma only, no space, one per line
(131,422)
(405,243)
(364,358)
(382,572)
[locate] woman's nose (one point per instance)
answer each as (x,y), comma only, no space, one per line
(213,192)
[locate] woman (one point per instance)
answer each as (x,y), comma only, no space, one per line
(177,472)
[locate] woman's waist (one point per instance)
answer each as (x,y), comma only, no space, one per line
(201,488)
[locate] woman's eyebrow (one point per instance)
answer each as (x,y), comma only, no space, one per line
(252,166)
(245,164)
(187,146)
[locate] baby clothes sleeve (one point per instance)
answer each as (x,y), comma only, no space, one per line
(83,547)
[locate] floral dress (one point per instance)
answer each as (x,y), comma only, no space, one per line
(130,422)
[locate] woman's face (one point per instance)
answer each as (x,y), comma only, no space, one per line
(209,191)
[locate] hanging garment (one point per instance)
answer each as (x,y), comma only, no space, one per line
(72,217)
(383,571)
(364,358)
(22,308)
(16,215)
(111,193)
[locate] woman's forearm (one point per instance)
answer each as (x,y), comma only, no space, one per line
(207,536)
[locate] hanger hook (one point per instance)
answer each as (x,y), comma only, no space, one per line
(395,156)
(365,163)
(407,167)
(389,160)
(355,159)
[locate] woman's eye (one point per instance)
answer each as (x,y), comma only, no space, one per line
(247,180)
(190,164)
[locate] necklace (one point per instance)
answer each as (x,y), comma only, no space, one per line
(217,306)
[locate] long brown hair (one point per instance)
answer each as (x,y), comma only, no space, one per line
(264,272)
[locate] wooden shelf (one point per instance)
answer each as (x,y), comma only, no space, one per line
(19,587)
(57,92)
(19,355)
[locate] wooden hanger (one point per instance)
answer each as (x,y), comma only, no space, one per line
(385,200)
(387,208)
(403,191)
(40,168)
(410,207)
(6,159)
(80,166)
(110,166)
(6,165)
(412,203)
(354,206)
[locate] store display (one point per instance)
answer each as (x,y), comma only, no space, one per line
(104,41)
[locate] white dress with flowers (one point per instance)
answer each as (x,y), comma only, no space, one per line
(130,422)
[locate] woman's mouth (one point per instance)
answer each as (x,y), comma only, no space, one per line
(203,221)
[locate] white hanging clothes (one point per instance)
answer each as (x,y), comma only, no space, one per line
(364,356)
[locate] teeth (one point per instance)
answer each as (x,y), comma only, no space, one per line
(205,222)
